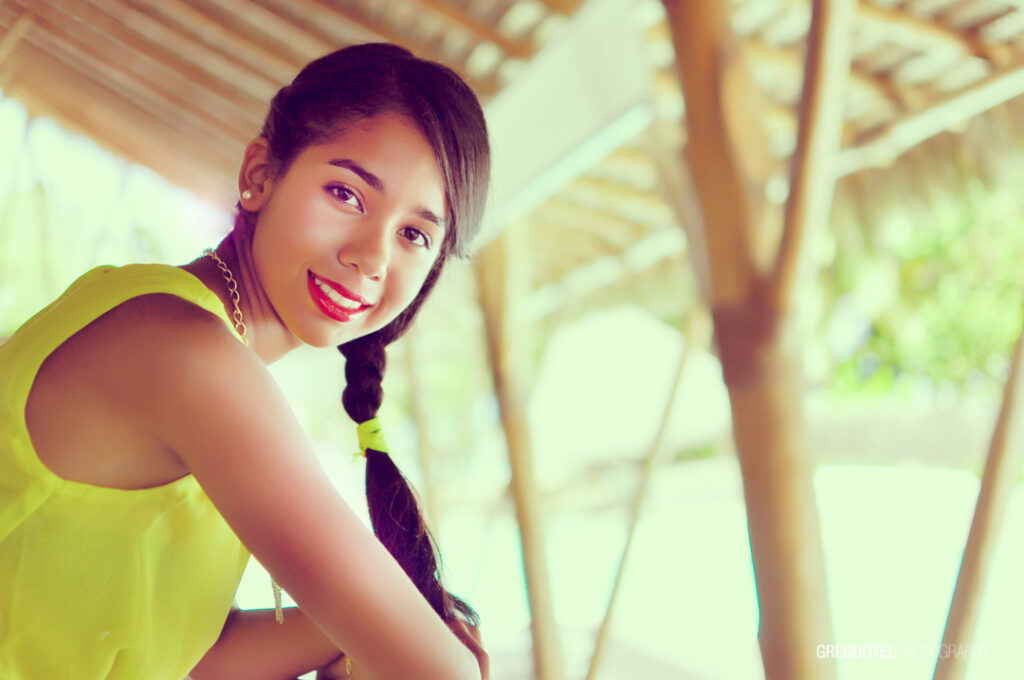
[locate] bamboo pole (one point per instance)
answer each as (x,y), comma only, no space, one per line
(696,335)
(1004,461)
(705,53)
(503,281)
(755,332)
(47,270)
(14,34)
(812,178)
(675,183)
(418,409)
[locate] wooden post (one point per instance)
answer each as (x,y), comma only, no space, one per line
(502,279)
(418,409)
(1001,468)
(814,164)
(751,298)
(14,34)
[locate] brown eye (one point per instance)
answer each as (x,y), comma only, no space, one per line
(345,195)
(415,236)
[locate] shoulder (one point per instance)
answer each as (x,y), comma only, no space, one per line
(154,349)
(156,330)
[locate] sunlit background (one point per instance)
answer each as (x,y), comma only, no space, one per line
(914,311)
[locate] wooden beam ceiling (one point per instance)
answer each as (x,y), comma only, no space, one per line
(182,18)
(517,48)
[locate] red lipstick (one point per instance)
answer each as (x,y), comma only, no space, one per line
(330,305)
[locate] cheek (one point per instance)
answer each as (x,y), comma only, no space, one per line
(409,283)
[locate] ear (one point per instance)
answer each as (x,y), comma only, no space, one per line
(255,176)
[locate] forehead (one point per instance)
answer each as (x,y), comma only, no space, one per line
(391,147)
(387,137)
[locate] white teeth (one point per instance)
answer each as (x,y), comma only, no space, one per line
(336,297)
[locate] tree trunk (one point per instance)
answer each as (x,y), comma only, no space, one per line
(760,360)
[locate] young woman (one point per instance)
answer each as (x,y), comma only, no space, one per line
(145,451)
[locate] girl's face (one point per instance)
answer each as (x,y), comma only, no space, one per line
(346,236)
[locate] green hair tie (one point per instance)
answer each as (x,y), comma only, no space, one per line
(371,436)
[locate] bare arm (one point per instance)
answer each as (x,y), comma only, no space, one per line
(213,403)
(254,645)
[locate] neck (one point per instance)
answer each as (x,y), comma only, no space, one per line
(267,335)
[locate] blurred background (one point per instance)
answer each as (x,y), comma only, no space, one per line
(562,395)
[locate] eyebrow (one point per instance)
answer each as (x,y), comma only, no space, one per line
(376,183)
(367,176)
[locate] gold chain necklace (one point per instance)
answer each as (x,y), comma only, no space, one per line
(236,315)
(232,293)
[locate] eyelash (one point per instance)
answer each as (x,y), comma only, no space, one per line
(418,232)
(337,190)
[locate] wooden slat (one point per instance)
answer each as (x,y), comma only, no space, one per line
(330,21)
(95,89)
(563,6)
(179,16)
(124,132)
(268,28)
(128,144)
(334,21)
(912,31)
(514,48)
(150,60)
(115,72)
(246,79)
(790,65)
(881,146)
(120,126)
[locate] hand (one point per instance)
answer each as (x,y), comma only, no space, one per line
(470,636)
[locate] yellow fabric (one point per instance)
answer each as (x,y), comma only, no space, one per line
(371,436)
(98,582)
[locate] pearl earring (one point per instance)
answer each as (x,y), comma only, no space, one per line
(246,194)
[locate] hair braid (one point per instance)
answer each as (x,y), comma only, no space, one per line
(394,510)
(330,93)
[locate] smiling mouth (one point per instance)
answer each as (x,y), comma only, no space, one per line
(335,300)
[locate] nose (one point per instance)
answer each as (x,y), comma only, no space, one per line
(367,251)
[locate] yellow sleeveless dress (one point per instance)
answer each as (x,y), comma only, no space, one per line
(98,582)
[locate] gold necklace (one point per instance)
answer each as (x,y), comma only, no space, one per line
(232,293)
(236,315)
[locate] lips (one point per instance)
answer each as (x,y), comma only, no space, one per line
(333,299)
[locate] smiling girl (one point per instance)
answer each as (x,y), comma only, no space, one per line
(145,451)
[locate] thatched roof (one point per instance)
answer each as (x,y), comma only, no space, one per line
(181,86)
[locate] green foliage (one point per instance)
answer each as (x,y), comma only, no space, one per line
(940,291)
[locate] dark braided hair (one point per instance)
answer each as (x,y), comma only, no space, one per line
(330,93)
